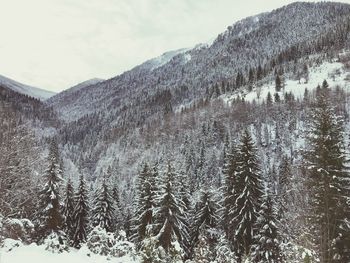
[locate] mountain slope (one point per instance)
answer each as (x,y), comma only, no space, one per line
(25,89)
(247,44)
(121,119)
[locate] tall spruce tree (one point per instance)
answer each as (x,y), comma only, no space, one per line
(170,219)
(50,217)
(81,214)
(229,175)
(103,208)
(328,181)
(184,192)
(266,248)
(205,221)
(145,204)
(248,196)
(68,210)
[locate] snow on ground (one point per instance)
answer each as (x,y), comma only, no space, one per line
(38,254)
(332,72)
(165,58)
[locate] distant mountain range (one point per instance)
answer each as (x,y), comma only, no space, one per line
(25,89)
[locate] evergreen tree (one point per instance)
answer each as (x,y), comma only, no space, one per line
(81,214)
(171,223)
(229,174)
(117,220)
(277,98)
(203,253)
(269,99)
(328,181)
(185,197)
(103,210)
(325,84)
(283,187)
(50,217)
(248,196)
(205,220)
(145,204)
(278,83)
(68,210)
(266,248)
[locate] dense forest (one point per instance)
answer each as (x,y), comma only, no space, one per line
(243,162)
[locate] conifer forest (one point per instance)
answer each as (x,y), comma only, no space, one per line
(234,151)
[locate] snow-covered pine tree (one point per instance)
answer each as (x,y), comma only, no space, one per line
(184,192)
(103,210)
(117,214)
(68,210)
(284,184)
(223,251)
(284,196)
(50,217)
(81,214)
(249,191)
(205,222)
(328,181)
(229,175)
(266,248)
(170,219)
(145,203)
(113,181)
(203,252)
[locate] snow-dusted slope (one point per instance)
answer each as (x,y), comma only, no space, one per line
(188,73)
(25,89)
(333,72)
(163,59)
(84,84)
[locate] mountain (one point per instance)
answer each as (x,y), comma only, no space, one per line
(83,84)
(67,97)
(246,44)
(25,89)
(247,55)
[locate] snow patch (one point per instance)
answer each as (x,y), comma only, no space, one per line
(333,72)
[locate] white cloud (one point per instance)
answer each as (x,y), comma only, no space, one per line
(57,43)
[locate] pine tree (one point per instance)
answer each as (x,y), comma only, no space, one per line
(145,204)
(248,196)
(266,248)
(278,83)
(277,98)
(269,99)
(205,220)
(117,220)
(185,196)
(229,174)
(170,219)
(203,253)
(103,210)
(81,214)
(68,210)
(328,181)
(50,217)
(283,187)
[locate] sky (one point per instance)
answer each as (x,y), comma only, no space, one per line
(56,44)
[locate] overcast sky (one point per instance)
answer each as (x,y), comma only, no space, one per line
(55,44)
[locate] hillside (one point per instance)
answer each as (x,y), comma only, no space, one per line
(25,89)
(246,55)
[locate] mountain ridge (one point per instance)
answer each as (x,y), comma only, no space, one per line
(25,89)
